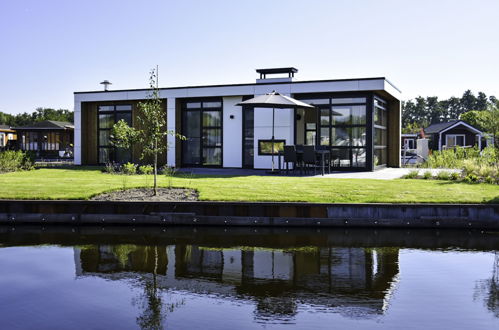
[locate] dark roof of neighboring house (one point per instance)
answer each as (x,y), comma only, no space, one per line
(437,128)
(48,124)
(4,127)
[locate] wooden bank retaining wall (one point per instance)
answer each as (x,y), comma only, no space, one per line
(475,216)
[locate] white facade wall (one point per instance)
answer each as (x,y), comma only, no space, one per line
(170,125)
(232,132)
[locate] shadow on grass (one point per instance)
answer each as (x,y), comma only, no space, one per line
(71,167)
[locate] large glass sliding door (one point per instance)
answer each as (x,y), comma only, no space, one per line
(202,127)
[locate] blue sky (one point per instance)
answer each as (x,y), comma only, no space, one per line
(50,48)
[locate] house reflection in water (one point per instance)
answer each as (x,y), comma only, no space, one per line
(356,282)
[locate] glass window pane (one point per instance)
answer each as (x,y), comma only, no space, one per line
(460,140)
(324,141)
(358,136)
(310,126)
(191,149)
(125,107)
(193,105)
(106,108)
(379,103)
(379,157)
(212,118)
(359,157)
(212,104)
(212,156)
(104,155)
(340,115)
(192,124)
(310,138)
(104,136)
(212,137)
(315,101)
(127,117)
(380,137)
(358,115)
(106,120)
(348,100)
(324,116)
(340,157)
(341,136)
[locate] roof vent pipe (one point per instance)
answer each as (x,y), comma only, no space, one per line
(106,84)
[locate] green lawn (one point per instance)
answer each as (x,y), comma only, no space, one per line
(85,182)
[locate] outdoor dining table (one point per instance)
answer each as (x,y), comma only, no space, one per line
(325,155)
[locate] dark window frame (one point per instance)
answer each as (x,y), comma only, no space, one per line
(329,106)
(202,109)
(114,112)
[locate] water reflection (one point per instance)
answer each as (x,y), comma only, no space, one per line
(488,289)
(355,281)
(275,274)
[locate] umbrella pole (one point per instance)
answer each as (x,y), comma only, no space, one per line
(273,110)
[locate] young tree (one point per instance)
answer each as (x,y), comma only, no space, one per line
(151,132)
(490,122)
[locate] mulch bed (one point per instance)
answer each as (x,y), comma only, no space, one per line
(146,194)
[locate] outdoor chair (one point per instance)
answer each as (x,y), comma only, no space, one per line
(310,158)
(290,156)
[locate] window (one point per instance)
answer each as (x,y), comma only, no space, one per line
(409,143)
(453,140)
(341,125)
(202,127)
(265,147)
(380,119)
(108,115)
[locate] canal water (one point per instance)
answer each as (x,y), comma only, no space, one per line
(247,278)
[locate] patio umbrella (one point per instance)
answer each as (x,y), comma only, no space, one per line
(274,100)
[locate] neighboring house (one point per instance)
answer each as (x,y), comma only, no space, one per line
(358,120)
(408,141)
(451,134)
(49,139)
(7,137)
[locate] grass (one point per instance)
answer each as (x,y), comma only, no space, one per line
(83,183)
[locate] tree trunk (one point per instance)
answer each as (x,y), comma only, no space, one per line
(155,167)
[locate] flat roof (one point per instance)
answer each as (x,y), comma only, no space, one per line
(247,84)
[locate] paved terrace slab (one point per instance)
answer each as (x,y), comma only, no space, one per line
(382,174)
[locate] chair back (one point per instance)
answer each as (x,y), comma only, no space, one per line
(309,155)
(290,154)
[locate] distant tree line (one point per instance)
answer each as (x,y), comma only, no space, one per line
(40,114)
(421,112)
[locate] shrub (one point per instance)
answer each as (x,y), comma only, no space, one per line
(443,175)
(413,174)
(129,168)
(471,178)
(454,158)
(427,175)
(146,169)
(455,176)
(11,161)
(111,168)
